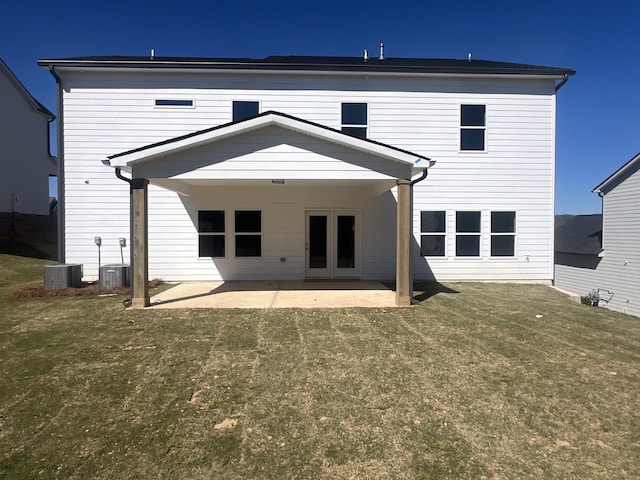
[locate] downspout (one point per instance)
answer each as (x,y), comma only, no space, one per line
(60,166)
(425,172)
(118,171)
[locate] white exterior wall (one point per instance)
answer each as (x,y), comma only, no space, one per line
(24,154)
(113,112)
(619,269)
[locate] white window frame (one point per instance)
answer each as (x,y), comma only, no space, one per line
(244,101)
(504,234)
(355,125)
(467,234)
(173,99)
(472,127)
(214,234)
(435,234)
(237,234)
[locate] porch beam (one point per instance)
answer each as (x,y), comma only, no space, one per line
(403,244)
(139,211)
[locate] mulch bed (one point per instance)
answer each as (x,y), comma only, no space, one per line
(87,289)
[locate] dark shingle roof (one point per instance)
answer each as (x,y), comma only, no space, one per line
(578,234)
(317,63)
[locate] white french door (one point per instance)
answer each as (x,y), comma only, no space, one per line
(333,244)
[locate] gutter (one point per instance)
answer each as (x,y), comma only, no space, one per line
(60,162)
(562,82)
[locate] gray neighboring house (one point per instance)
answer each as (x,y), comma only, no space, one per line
(24,148)
(602,252)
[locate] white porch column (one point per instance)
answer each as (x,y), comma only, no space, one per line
(403,245)
(140,235)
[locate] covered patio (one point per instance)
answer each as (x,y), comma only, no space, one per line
(247,159)
(273,294)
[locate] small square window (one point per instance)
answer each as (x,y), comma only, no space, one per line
(243,110)
(211,246)
(248,221)
(503,222)
(468,246)
(248,245)
(472,115)
(432,245)
(468,222)
(354,119)
(211,221)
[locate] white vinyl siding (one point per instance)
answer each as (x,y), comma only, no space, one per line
(619,268)
(114,112)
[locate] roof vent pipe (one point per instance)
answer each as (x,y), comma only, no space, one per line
(366,55)
(469,56)
(153,53)
(382,51)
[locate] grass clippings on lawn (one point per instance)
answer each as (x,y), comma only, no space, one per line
(470,384)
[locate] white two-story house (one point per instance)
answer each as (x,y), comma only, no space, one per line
(290,168)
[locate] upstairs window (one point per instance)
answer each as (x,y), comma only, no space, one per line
(472,127)
(433,233)
(211,233)
(248,227)
(467,234)
(503,238)
(173,102)
(242,110)
(354,119)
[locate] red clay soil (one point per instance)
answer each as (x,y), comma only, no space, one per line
(86,289)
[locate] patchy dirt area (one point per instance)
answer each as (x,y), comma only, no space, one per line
(87,289)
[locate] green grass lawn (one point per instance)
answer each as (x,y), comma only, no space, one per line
(469,384)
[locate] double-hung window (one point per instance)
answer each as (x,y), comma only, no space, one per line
(503,230)
(472,127)
(244,109)
(211,233)
(354,119)
(248,232)
(468,234)
(432,233)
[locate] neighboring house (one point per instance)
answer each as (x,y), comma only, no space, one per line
(289,168)
(24,148)
(612,267)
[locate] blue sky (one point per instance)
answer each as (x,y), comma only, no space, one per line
(597,115)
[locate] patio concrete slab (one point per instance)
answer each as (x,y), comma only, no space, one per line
(275,295)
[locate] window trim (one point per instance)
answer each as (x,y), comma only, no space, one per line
(257,102)
(512,234)
(442,234)
(364,126)
(178,105)
(477,234)
(237,234)
(462,127)
(213,234)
